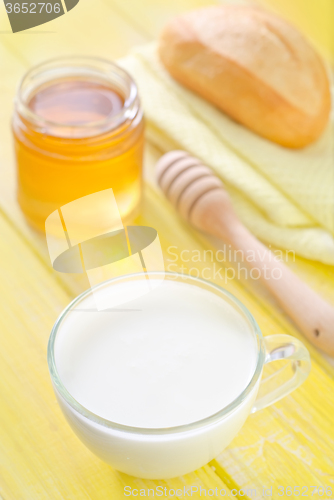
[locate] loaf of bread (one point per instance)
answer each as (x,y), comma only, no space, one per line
(255,67)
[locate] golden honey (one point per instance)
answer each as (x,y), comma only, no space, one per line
(78,129)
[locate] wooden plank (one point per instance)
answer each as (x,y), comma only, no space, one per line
(157,213)
(40,457)
(149,17)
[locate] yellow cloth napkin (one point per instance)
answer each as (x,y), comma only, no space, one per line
(285,197)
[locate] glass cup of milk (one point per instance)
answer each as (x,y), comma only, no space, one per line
(159,385)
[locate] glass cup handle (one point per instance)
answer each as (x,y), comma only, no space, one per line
(290,376)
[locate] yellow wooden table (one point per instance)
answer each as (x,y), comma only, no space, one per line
(289,444)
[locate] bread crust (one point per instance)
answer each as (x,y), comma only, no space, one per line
(255,67)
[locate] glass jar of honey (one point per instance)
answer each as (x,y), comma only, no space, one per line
(78,129)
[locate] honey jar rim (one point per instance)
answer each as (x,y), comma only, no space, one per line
(128,111)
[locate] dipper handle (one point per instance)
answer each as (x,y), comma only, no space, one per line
(200,197)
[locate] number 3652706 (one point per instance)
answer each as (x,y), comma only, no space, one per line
(32,8)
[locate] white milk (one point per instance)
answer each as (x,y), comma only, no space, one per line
(177,355)
(181,355)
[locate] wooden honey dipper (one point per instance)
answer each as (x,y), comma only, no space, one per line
(201,199)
